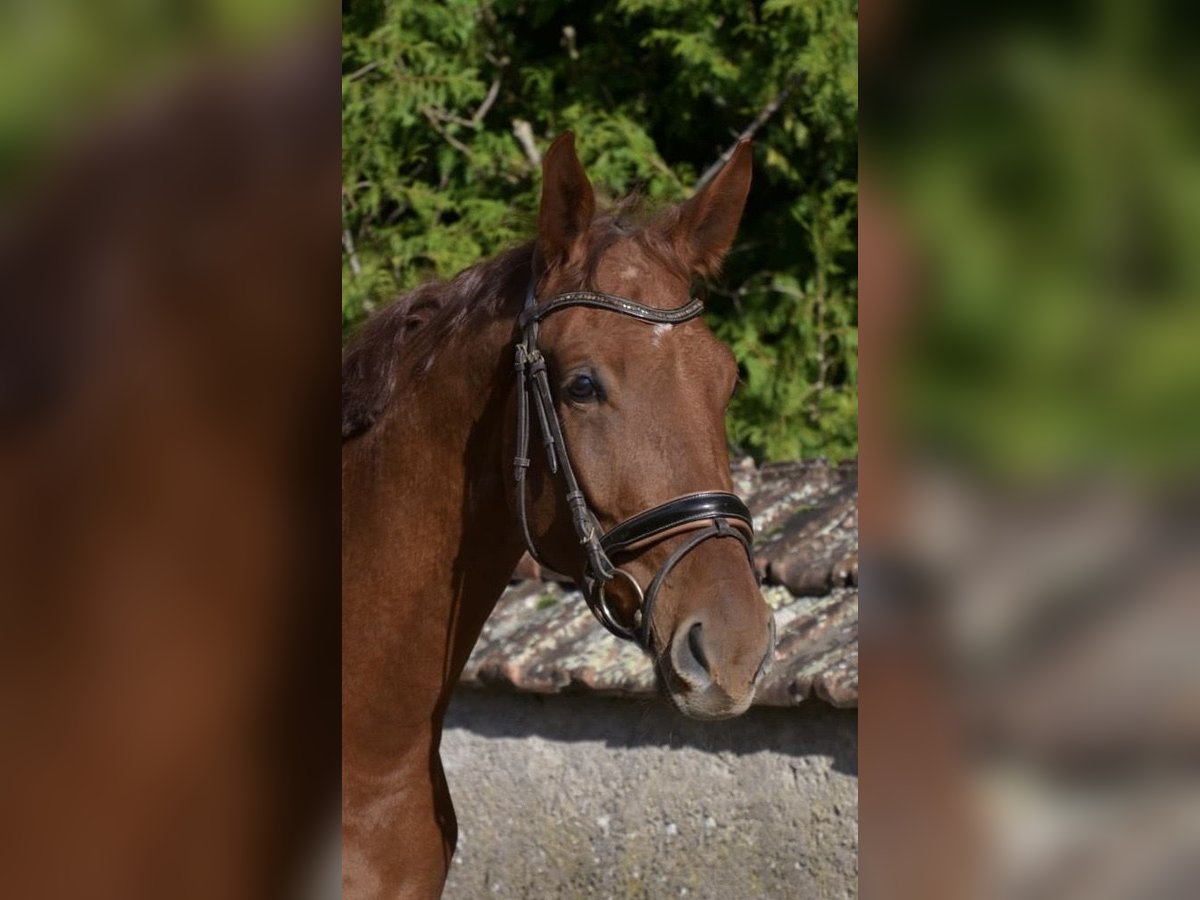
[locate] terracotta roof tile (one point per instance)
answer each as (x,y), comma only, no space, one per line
(542,637)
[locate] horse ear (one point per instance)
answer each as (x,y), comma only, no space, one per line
(707,223)
(568,202)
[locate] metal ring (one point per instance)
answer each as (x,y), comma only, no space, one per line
(607,617)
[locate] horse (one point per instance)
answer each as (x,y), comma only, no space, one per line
(587,331)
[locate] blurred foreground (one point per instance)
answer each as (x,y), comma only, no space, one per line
(1030,710)
(168,456)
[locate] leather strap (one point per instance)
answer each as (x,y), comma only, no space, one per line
(612,302)
(704,505)
(719,529)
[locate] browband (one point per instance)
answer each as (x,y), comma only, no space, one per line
(613,303)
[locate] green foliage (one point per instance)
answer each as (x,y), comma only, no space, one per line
(436,177)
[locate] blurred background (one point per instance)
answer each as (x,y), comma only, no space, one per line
(447,108)
(168,452)
(1030,449)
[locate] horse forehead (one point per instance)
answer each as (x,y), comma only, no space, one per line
(627,269)
(686,354)
(673,361)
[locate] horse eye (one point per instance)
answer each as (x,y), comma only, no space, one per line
(583,387)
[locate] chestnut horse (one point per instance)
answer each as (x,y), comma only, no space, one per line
(629,388)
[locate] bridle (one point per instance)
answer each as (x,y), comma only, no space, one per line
(706,514)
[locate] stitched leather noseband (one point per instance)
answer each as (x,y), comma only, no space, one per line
(707,514)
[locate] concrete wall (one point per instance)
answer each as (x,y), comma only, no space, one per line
(581,796)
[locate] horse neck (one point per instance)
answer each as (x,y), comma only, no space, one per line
(487,546)
(428,538)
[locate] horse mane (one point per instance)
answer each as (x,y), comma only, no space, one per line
(407,332)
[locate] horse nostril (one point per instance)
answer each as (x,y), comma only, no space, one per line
(697,648)
(764,666)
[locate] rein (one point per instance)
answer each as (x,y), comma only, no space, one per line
(709,514)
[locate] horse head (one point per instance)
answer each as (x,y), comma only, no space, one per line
(640,401)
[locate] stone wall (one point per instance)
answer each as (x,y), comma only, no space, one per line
(582,796)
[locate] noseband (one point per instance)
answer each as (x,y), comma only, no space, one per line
(707,514)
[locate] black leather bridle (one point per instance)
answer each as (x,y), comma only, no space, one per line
(707,514)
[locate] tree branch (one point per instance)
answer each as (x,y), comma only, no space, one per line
(492,94)
(523,132)
(348,243)
(446,136)
(749,131)
(360,72)
(476,120)
(452,119)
